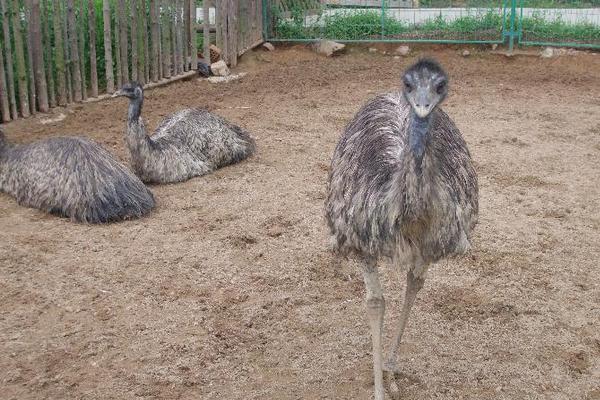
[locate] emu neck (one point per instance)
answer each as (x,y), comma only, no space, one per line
(135,109)
(418,137)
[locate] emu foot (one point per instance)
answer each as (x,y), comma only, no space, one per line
(398,384)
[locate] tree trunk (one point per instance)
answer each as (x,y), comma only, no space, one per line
(59,54)
(206,31)
(166,48)
(69,61)
(122,10)
(134,41)
(9,59)
(93,63)
(81,21)
(154,28)
(28,33)
(75,64)
(108,62)
(145,34)
(48,52)
(41,86)
(20,60)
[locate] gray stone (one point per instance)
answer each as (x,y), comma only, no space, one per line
(327,47)
(466,53)
(548,52)
(219,68)
(372,50)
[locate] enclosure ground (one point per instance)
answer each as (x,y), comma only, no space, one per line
(227,290)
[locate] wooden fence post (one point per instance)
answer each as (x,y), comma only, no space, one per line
(48,53)
(4,106)
(122,11)
(37,51)
(93,62)
(108,61)
(75,64)
(155,61)
(20,60)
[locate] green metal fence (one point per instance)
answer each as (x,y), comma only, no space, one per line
(561,22)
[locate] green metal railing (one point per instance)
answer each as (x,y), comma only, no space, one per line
(436,21)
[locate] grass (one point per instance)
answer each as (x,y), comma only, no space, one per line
(368,25)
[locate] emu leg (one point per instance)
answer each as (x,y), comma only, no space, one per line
(413,285)
(375,313)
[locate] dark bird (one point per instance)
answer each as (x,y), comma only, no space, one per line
(402,186)
(191,142)
(72,177)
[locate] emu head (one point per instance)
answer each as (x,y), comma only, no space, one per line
(425,86)
(132,90)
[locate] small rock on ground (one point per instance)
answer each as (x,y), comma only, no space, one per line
(495,46)
(225,79)
(219,68)
(548,52)
(372,50)
(402,50)
(327,47)
(466,53)
(268,46)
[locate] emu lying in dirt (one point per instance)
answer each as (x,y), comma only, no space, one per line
(188,143)
(402,185)
(72,177)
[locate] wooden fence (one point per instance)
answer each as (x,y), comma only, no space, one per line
(55,52)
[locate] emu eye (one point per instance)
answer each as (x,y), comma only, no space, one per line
(440,87)
(408,86)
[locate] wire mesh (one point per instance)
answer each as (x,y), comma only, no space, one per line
(389,20)
(574,24)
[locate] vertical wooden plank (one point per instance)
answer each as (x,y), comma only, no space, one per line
(41,85)
(122,11)
(173,35)
(73,45)
(178,39)
(92,41)
(108,61)
(221,26)
(20,60)
(155,61)
(59,53)
(4,105)
(46,18)
(117,49)
(81,22)
(145,35)
(9,59)
(193,35)
(134,41)
(166,45)
(28,34)
(186,34)
(206,31)
(232,21)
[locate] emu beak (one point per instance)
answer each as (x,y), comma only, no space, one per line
(422,111)
(117,93)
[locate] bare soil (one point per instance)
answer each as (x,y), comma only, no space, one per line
(227,290)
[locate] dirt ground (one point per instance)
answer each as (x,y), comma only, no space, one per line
(226,290)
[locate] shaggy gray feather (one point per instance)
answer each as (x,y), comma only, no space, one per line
(188,143)
(383,202)
(72,177)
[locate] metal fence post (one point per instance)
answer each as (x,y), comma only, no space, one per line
(513,16)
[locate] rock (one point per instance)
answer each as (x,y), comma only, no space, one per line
(466,53)
(51,120)
(219,68)
(402,50)
(548,52)
(495,46)
(225,79)
(372,50)
(268,46)
(328,47)
(396,57)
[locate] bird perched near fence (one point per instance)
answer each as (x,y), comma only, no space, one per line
(72,177)
(402,185)
(188,143)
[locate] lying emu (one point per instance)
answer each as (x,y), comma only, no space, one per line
(402,185)
(188,143)
(72,177)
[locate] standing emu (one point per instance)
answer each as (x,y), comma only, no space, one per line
(402,185)
(188,143)
(72,177)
